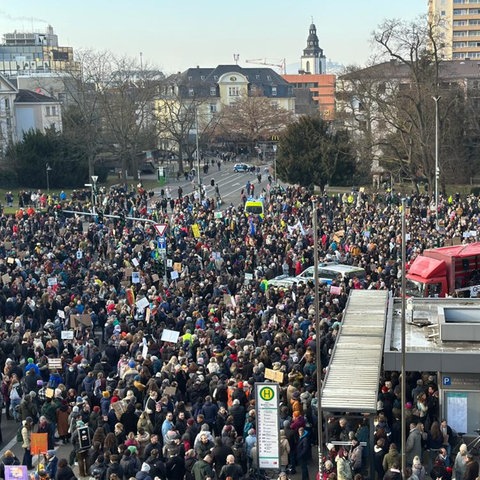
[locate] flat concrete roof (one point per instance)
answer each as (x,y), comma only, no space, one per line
(425,349)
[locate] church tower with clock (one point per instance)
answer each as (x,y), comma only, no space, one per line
(313,60)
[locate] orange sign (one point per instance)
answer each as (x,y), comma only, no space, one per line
(38,443)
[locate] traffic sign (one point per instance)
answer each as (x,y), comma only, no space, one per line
(162,245)
(161,228)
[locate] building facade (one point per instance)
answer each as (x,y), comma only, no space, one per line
(33,52)
(24,110)
(8,93)
(34,111)
(460,24)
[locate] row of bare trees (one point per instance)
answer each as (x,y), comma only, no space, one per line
(391,103)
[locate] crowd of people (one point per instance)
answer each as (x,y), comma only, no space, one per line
(84,305)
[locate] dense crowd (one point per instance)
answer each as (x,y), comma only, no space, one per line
(185,409)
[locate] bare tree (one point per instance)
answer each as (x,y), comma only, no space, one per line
(252,118)
(181,117)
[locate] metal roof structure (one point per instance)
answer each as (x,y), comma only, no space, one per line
(352,380)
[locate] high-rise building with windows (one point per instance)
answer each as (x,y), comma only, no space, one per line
(460,21)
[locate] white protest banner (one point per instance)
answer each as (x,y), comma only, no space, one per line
(142,303)
(170,336)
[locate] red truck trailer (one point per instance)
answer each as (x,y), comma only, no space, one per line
(445,271)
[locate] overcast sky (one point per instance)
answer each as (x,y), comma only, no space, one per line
(176,34)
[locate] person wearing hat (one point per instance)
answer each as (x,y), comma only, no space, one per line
(51,463)
(144,473)
(32,366)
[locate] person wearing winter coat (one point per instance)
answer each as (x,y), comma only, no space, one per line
(303,451)
(284,450)
(64,472)
(209,410)
(418,469)
(203,468)
(355,456)
(378,456)
(413,446)
(460,462)
(344,470)
(391,457)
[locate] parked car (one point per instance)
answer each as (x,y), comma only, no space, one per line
(327,273)
(242,167)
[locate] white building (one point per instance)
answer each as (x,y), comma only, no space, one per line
(34,111)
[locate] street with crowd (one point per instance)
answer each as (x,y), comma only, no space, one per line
(185,409)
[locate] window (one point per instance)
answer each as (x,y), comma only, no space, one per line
(54,110)
(215,77)
(460,23)
(233,91)
(460,11)
(257,77)
(7,104)
(213,108)
(274,91)
(460,33)
(47,111)
(474,11)
(459,44)
(202,77)
(460,1)
(269,78)
(213,91)
(474,33)
(474,22)
(191,92)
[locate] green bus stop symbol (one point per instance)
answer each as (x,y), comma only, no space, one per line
(267,393)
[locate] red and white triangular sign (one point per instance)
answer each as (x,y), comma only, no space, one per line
(161,228)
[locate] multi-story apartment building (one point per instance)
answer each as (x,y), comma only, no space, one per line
(460,24)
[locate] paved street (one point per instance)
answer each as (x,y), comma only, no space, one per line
(230,183)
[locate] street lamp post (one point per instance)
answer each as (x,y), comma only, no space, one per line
(94,192)
(403,380)
(49,169)
(437,169)
(317,341)
(274,147)
(198,153)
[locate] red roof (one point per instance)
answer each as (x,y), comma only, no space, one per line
(459,250)
(427,267)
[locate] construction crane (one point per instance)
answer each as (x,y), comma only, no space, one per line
(263,61)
